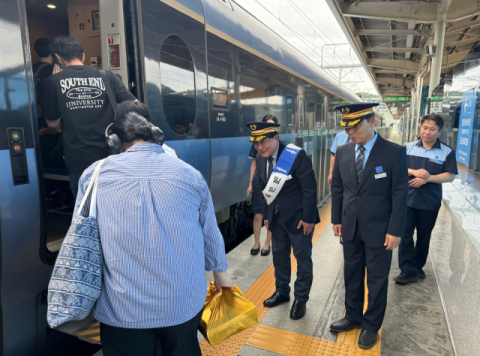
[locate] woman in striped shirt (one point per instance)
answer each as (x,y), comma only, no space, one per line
(159,234)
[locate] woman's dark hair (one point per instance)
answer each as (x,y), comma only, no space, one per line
(133,106)
(130,127)
(42,47)
(434,117)
(270,117)
(66,47)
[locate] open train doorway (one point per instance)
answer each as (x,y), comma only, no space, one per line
(105,31)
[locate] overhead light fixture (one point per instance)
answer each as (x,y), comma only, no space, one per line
(51,6)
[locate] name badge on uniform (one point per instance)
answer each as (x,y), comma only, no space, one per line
(437,161)
(380,175)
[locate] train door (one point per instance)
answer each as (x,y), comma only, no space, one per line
(36,204)
(172,36)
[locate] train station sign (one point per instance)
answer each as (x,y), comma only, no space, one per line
(389,99)
(340,102)
(465,128)
(436,98)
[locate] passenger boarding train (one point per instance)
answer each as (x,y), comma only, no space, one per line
(204,67)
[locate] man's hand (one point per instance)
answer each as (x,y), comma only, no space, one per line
(422,173)
(417,182)
(391,242)
(307,228)
(337,229)
(330,179)
(265,222)
(249,190)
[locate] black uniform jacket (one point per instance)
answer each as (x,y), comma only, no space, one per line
(380,205)
(298,198)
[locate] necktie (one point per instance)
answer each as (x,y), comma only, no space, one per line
(359,163)
(270,167)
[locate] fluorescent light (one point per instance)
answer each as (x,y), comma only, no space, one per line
(51,6)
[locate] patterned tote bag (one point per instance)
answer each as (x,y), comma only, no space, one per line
(76,280)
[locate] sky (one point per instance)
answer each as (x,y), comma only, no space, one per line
(310,26)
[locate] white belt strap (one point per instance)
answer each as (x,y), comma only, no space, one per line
(280,173)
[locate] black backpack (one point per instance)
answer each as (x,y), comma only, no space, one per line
(36,82)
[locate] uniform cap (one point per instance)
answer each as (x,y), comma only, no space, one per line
(262,130)
(353,114)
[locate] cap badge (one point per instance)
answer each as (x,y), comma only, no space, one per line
(345,110)
(254,127)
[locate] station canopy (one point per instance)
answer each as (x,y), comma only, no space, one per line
(389,38)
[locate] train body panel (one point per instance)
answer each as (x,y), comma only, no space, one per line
(246,31)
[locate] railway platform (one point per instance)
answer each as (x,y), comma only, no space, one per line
(415,323)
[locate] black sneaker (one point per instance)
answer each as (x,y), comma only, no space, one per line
(403,279)
(421,274)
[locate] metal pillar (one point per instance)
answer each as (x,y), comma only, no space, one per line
(438,57)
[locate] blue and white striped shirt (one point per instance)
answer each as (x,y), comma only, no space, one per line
(159,235)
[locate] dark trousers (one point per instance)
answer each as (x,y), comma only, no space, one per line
(357,255)
(411,256)
(282,244)
(177,340)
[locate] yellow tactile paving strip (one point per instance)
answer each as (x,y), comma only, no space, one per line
(293,344)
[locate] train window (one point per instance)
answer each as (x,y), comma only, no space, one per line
(310,115)
(319,117)
(177,77)
(290,109)
(301,114)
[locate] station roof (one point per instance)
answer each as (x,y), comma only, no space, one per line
(389,37)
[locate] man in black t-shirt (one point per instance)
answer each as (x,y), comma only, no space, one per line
(75,102)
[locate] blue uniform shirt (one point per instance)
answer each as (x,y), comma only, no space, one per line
(159,235)
(340,139)
(439,159)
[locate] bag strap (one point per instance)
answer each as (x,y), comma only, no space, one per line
(92,185)
(108,89)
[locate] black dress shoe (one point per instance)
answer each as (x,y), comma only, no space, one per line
(298,311)
(276,299)
(344,325)
(265,252)
(404,280)
(254,251)
(421,274)
(367,339)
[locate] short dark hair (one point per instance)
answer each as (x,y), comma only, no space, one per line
(434,117)
(133,106)
(270,117)
(130,127)
(66,47)
(42,47)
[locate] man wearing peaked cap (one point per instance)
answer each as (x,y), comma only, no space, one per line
(289,204)
(369,203)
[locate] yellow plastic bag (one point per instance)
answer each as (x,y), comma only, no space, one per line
(226,313)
